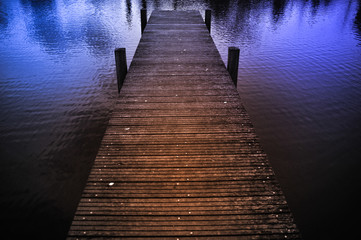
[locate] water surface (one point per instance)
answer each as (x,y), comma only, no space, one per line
(299,78)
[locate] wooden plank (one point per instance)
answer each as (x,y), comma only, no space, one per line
(180,158)
(281,218)
(179,121)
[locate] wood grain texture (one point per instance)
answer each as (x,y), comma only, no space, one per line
(180,158)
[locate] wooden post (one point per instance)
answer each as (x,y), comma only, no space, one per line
(232,65)
(121,66)
(143,18)
(208,19)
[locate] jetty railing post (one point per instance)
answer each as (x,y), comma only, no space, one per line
(121,66)
(232,65)
(208,19)
(143,18)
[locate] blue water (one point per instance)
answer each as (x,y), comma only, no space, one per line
(299,78)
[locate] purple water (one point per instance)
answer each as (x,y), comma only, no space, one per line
(299,78)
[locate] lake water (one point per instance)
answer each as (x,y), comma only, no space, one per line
(299,78)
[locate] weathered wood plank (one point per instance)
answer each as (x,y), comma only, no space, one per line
(180,158)
(229,237)
(184,121)
(192,105)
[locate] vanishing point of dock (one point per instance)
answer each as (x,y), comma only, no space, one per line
(180,158)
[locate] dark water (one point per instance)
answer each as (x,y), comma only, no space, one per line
(299,77)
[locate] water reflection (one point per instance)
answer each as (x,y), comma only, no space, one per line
(299,78)
(358,19)
(129,12)
(44,24)
(4,12)
(315,4)
(278,9)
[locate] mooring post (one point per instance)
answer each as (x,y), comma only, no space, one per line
(143,18)
(232,65)
(208,19)
(121,66)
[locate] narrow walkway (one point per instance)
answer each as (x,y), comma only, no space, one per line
(180,158)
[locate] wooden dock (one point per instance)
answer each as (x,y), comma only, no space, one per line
(180,158)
